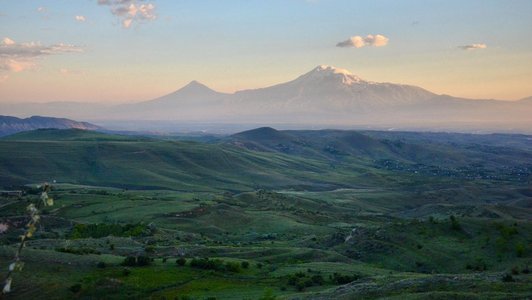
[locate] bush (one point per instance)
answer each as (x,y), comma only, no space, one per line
(245,264)
(317,279)
(507,278)
(143,260)
(526,270)
(520,250)
(181,261)
(101,265)
(455,225)
(102,230)
(515,270)
(130,261)
(343,279)
(126,272)
(75,288)
(139,261)
(207,264)
(232,267)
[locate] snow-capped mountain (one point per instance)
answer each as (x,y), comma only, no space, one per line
(325,95)
(329,89)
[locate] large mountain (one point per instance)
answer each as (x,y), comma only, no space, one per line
(10,125)
(329,89)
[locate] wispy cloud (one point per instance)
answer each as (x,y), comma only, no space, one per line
(41,9)
(68,72)
(80,18)
(17,57)
(359,42)
(129,11)
(473,46)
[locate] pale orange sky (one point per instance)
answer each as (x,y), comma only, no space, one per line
(74,51)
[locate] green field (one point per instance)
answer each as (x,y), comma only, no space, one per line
(269,214)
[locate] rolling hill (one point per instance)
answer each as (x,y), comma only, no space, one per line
(297,214)
(264,157)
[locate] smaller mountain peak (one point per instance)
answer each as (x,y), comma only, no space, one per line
(195,83)
(195,86)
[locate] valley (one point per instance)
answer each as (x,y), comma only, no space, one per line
(267,214)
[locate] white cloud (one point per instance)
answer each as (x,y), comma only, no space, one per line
(473,46)
(17,57)
(80,18)
(8,41)
(129,11)
(41,9)
(359,42)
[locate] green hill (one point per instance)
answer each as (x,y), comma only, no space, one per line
(324,214)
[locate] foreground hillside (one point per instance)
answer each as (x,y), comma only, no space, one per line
(266,213)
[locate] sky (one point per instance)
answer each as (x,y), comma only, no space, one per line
(132,50)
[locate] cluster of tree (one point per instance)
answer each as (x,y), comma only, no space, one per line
(78,251)
(301,280)
(136,261)
(215,264)
(80,231)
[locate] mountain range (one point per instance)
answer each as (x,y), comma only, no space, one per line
(325,96)
(10,125)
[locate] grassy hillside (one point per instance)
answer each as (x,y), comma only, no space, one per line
(271,215)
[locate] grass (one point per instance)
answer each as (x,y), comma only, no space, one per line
(306,211)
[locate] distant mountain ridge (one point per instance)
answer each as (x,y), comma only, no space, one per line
(325,96)
(10,125)
(332,96)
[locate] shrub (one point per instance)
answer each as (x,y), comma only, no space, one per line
(102,230)
(520,250)
(232,267)
(317,279)
(207,264)
(101,265)
(181,261)
(455,225)
(143,260)
(343,279)
(75,288)
(244,264)
(130,261)
(126,272)
(515,270)
(507,278)
(139,261)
